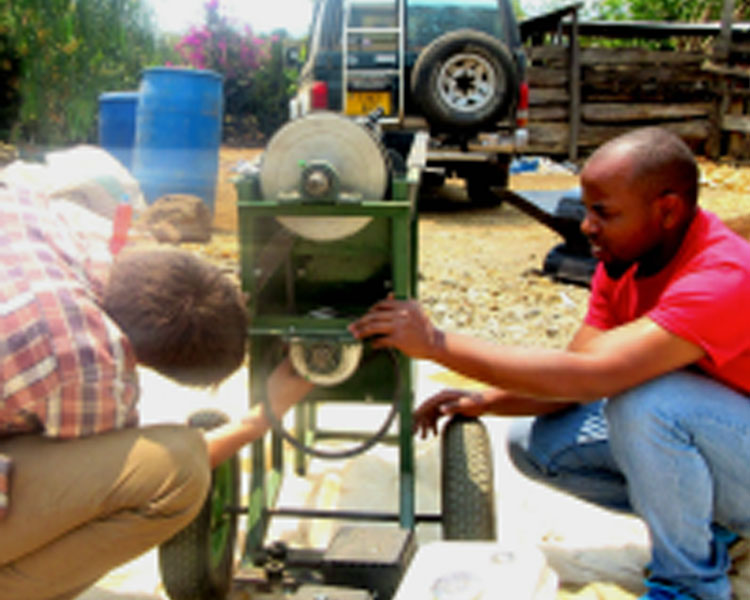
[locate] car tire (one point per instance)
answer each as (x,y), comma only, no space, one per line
(197,562)
(484,179)
(468,494)
(464,80)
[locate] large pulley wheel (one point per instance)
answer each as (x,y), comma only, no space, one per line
(350,149)
(465,80)
(468,495)
(197,562)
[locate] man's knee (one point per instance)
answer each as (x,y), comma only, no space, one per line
(519,447)
(174,466)
(634,412)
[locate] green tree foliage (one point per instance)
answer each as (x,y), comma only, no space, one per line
(68,52)
(666,10)
(257,86)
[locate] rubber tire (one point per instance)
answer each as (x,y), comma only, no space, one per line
(188,570)
(468,495)
(480,180)
(426,71)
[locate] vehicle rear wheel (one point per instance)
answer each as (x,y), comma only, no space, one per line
(468,495)
(465,80)
(196,564)
(485,181)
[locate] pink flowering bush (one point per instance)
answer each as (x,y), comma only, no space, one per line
(252,110)
(219,46)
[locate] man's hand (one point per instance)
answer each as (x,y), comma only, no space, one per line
(284,387)
(444,404)
(398,324)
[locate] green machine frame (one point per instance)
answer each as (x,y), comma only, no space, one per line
(312,260)
(394,223)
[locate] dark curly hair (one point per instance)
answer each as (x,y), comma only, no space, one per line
(183,316)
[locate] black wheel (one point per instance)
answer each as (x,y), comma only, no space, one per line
(196,564)
(484,181)
(465,80)
(468,495)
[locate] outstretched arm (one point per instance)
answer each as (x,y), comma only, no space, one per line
(599,365)
(494,401)
(284,387)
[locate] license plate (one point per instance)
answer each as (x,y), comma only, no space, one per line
(362,103)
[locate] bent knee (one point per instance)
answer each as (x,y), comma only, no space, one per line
(653,404)
(520,451)
(178,458)
(639,401)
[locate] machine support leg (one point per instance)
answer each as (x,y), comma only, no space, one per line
(407,504)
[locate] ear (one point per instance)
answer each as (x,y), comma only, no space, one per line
(671,209)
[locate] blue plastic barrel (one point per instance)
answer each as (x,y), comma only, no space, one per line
(117,125)
(178,133)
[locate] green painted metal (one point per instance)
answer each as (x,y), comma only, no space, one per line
(287,277)
(220,528)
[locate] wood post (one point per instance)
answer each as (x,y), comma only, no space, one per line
(575,88)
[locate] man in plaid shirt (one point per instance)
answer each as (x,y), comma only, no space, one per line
(82,488)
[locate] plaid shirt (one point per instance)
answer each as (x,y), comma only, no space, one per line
(66,370)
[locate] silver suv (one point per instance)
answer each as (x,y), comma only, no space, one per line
(453,67)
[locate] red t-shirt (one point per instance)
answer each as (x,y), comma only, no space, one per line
(702,296)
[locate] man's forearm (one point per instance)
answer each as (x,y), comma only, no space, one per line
(530,375)
(226,440)
(506,404)
(284,388)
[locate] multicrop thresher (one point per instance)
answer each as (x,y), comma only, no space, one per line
(328,226)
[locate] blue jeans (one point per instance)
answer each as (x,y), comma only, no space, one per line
(675,450)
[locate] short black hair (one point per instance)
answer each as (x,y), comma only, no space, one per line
(663,162)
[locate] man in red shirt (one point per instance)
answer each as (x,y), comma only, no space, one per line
(666,342)
(82,488)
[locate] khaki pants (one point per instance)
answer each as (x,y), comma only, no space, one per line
(82,507)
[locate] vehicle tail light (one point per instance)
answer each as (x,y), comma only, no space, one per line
(522,114)
(319,95)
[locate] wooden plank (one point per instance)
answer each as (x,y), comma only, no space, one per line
(654,29)
(629,56)
(668,74)
(736,147)
(548,96)
(612,112)
(574,88)
(734,71)
(548,113)
(739,48)
(549,55)
(625,91)
(737,123)
(552,137)
(546,77)
(547,136)
(693,131)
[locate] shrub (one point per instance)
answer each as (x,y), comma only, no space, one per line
(257,87)
(68,52)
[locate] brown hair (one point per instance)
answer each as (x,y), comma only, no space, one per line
(183,316)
